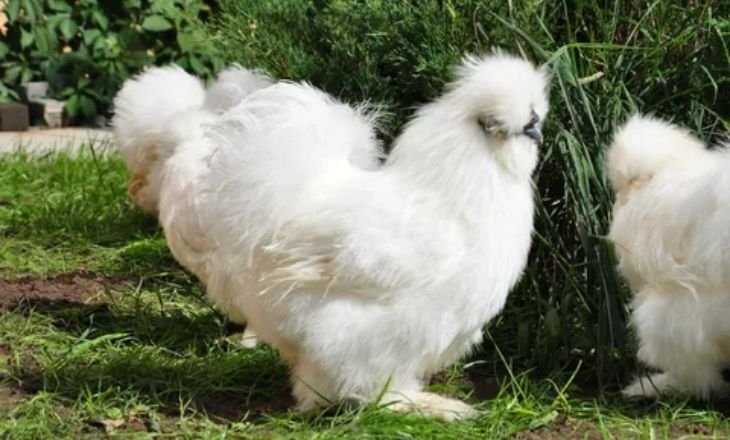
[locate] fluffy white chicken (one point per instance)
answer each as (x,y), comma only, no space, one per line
(160,120)
(370,279)
(670,228)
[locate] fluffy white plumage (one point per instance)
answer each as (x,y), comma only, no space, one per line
(157,110)
(232,85)
(143,111)
(366,276)
(671,232)
(160,123)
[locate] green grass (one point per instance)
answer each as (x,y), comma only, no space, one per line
(45,227)
(147,357)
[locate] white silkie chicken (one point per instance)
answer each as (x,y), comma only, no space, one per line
(159,122)
(370,279)
(670,228)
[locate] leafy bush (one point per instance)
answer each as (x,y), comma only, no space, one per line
(87,48)
(608,57)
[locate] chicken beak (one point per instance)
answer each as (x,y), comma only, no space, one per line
(534,133)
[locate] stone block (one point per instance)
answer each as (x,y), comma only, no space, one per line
(14,117)
(50,111)
(35,90)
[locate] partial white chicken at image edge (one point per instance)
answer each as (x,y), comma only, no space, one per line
(671,234)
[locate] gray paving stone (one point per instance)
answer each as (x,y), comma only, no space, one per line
(72,139)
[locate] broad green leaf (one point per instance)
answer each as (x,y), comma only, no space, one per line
(83,82)
(58,5)
(186,41)
(26,38)
(72,105)
(156,23)
(3,50)
(196,65)
(33,9)
(42,40)
(87,106)
(95,94)
(7,94)
(99,45)
(91,35)
(12,74)
(53,20)
(100,19)
(13,8)
(26,75)
(164,6)
(68,28)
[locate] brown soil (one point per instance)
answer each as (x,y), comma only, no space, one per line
(484,385)
(580,429)
(9,397)
(226,409)
(67,288)
(563,429)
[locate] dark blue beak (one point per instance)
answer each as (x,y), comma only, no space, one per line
(531,130)
(534,133)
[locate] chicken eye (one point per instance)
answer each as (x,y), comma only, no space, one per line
(488,124)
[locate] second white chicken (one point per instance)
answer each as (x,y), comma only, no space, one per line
(670,227)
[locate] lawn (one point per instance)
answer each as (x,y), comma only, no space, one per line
(103,334)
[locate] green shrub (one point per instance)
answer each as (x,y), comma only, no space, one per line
(608,57)
(87,48)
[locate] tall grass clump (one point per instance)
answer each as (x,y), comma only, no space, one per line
(609,58)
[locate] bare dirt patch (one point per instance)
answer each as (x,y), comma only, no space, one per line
(10,396)
(67,288)
(226,409)
(562,429)
(586,429)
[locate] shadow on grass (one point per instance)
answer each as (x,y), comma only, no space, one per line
(58,224)
(172,329)
(110,247)
(227,386)
(178,361)
(149,259)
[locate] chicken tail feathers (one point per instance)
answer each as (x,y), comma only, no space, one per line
(149,112)
(233,85)
(645,145)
